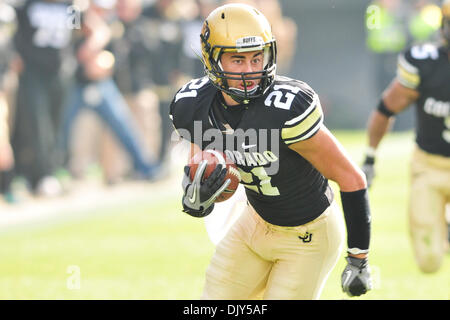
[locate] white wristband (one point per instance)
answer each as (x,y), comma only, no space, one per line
(357,251)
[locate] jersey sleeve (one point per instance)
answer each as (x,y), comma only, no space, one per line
(186,106)
(179,115)
(305,119)
(416,65)
(408,70)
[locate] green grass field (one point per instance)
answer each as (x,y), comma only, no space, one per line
(150,250)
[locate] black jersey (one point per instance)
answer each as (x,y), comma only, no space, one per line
(44,29)
(426,68)
(282,186)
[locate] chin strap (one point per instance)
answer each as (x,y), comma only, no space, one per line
(239,99)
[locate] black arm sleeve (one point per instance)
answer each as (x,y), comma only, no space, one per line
(357,219)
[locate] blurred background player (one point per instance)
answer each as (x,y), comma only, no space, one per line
(192,15)
(165,49)
(423,79)
(152,58)
(95,89)
(42,36)
(131,75)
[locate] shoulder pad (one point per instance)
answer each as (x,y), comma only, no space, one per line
(413,63)
(192,89)
(194,96)
(304,117)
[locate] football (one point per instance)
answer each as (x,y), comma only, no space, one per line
(214,158)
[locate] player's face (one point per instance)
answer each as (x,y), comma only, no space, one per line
(252,61)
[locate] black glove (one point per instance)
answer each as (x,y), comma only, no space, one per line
(200,194)
(356,278)
(368,168)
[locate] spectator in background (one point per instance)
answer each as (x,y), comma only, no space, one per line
(164,45)
(192,17)
(285,31)
(42,35)
(386,37)
(133,78)
(96,90)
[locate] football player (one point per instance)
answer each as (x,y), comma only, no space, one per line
(40,38)
(423,79)
(289,236)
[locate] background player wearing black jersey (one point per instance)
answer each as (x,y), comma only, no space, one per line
(423,78)
(288,238)
(95,89)
(43,33)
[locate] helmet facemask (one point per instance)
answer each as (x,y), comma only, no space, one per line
(219,76)
(246,39)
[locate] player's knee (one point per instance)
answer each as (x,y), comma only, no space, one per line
(429,249)
(429,262)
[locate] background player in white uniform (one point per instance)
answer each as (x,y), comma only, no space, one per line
(289,235)
(423,79)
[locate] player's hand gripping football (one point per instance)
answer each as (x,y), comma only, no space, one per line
(368,168)
(356,279)
(199,195)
